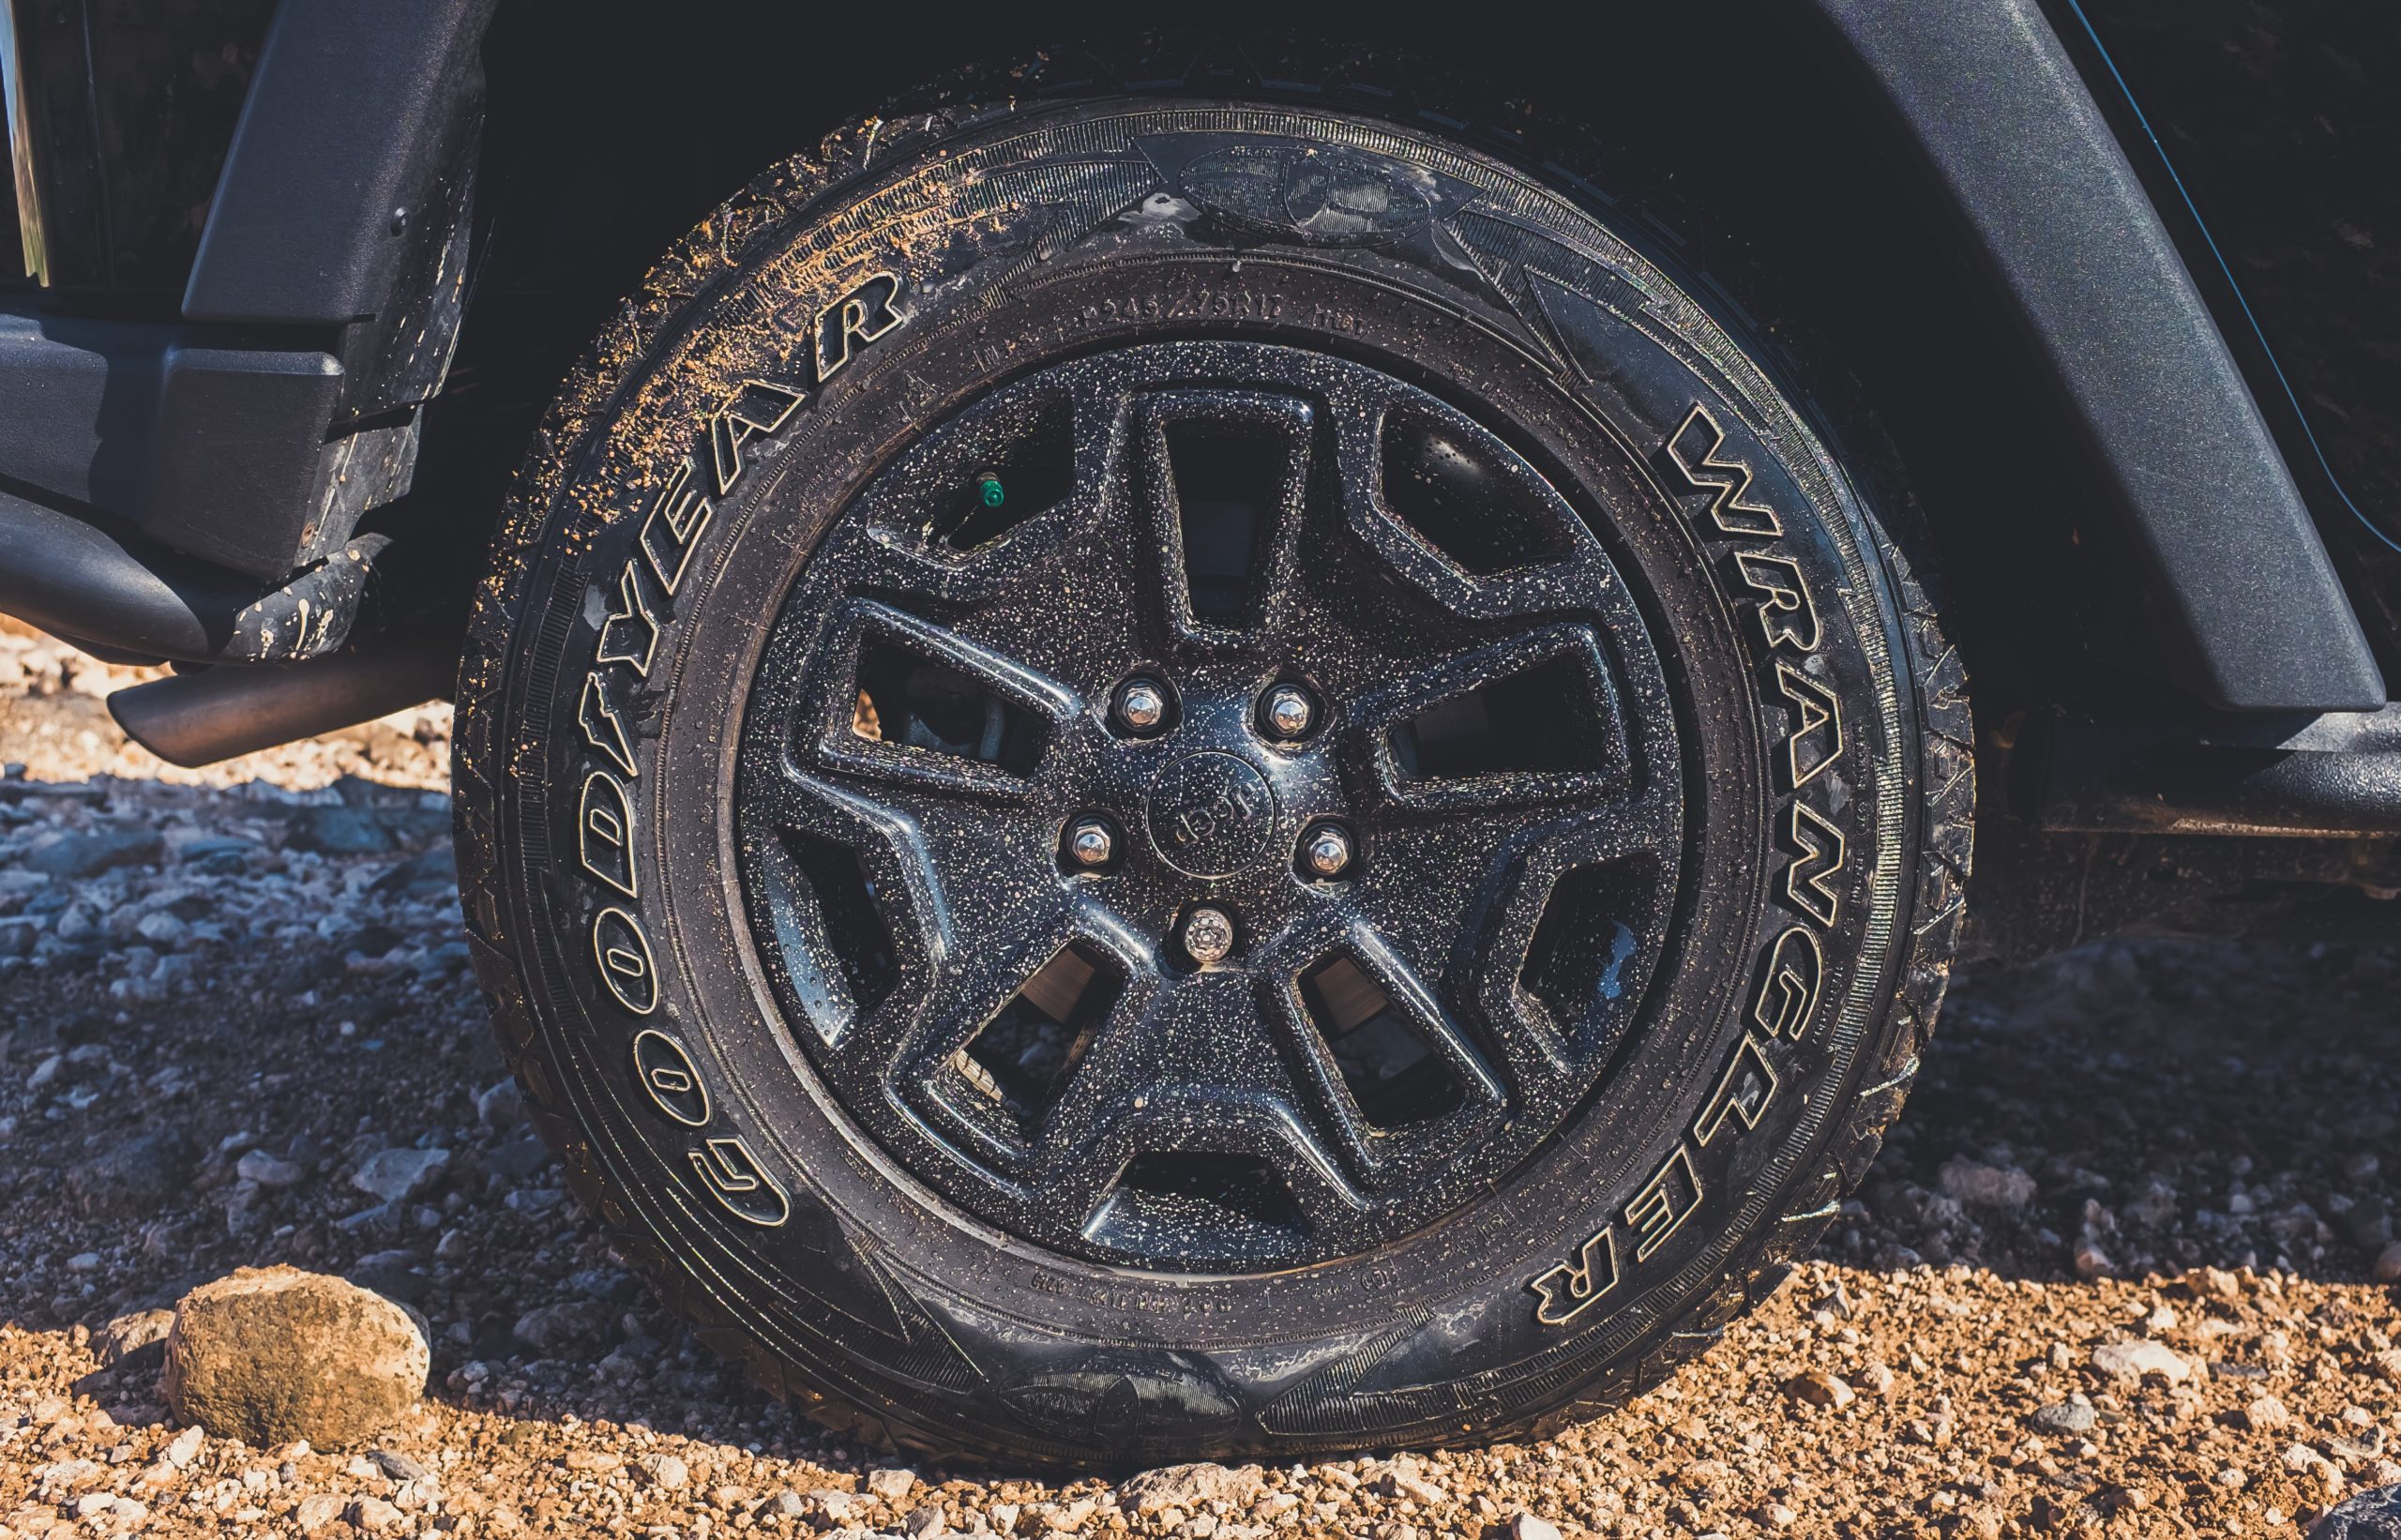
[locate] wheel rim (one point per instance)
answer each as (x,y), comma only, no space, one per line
(1211,807)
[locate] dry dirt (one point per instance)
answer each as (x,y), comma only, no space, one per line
(2192,1147)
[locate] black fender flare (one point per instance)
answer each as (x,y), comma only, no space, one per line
(1985,93)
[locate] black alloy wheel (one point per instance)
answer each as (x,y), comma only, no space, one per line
(1148,777)
(1362,613)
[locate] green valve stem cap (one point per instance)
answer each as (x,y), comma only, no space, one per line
(988,487)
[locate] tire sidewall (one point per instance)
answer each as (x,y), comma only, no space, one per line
(865,1282)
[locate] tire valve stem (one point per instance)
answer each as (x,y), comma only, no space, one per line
(989,489)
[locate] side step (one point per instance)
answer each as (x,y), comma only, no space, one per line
(2333,774)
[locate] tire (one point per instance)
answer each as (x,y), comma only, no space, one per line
(1647,760)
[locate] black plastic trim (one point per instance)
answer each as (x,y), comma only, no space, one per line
(2021,152)
(72,577)
(337,154)
(209,443)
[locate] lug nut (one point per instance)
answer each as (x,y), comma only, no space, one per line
(1208,935)
(1325,851)
(1141,705)
(1288,711)
(1091,843)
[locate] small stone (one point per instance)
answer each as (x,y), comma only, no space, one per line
(373,1515)
(500,1105)
(135,1342)
(2265,1414)
(2387,1365)
(2388,1265)
(316,1511)
(267,1171)
(182,1448)
(2214,1283)
(335,831)
(396,1175)
(667,1472)
(1526,1526)
(519,1158)
(267,1355)
(2134,1360)
(785,1504)
(550,1329)
(136,1178)
(91,852)
(1819,1388)
(2091,1262)
(1188,1487)
(891,1484)
(1775,1516)
(838,1507)
(398,1466)
(1989,1186)
(2072,1417)
(2370,1515)
(922,1523)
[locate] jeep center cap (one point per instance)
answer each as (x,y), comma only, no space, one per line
(1211,814)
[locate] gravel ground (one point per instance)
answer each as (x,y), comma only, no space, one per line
(2115,1274)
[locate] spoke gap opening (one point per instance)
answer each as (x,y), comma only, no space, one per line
(1229,491)
(831,928)
(1585,958)
(1452,491)
(1023,1057)
(915,701)
(1201,1206)
(1015,474)
(1545,719)
(1393,1072)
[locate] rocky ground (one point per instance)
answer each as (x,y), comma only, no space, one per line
(2117,1273)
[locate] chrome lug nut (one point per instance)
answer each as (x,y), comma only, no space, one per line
(1208,935)
(1288,711)
(1325,851)
(1141,705)
(1091,843)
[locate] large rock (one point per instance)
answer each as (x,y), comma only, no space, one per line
(272,1354)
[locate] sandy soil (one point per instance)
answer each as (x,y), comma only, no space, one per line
(2193,1148)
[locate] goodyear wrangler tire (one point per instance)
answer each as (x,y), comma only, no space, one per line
(1155,779)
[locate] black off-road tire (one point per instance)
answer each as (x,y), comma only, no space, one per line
(1770,681)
